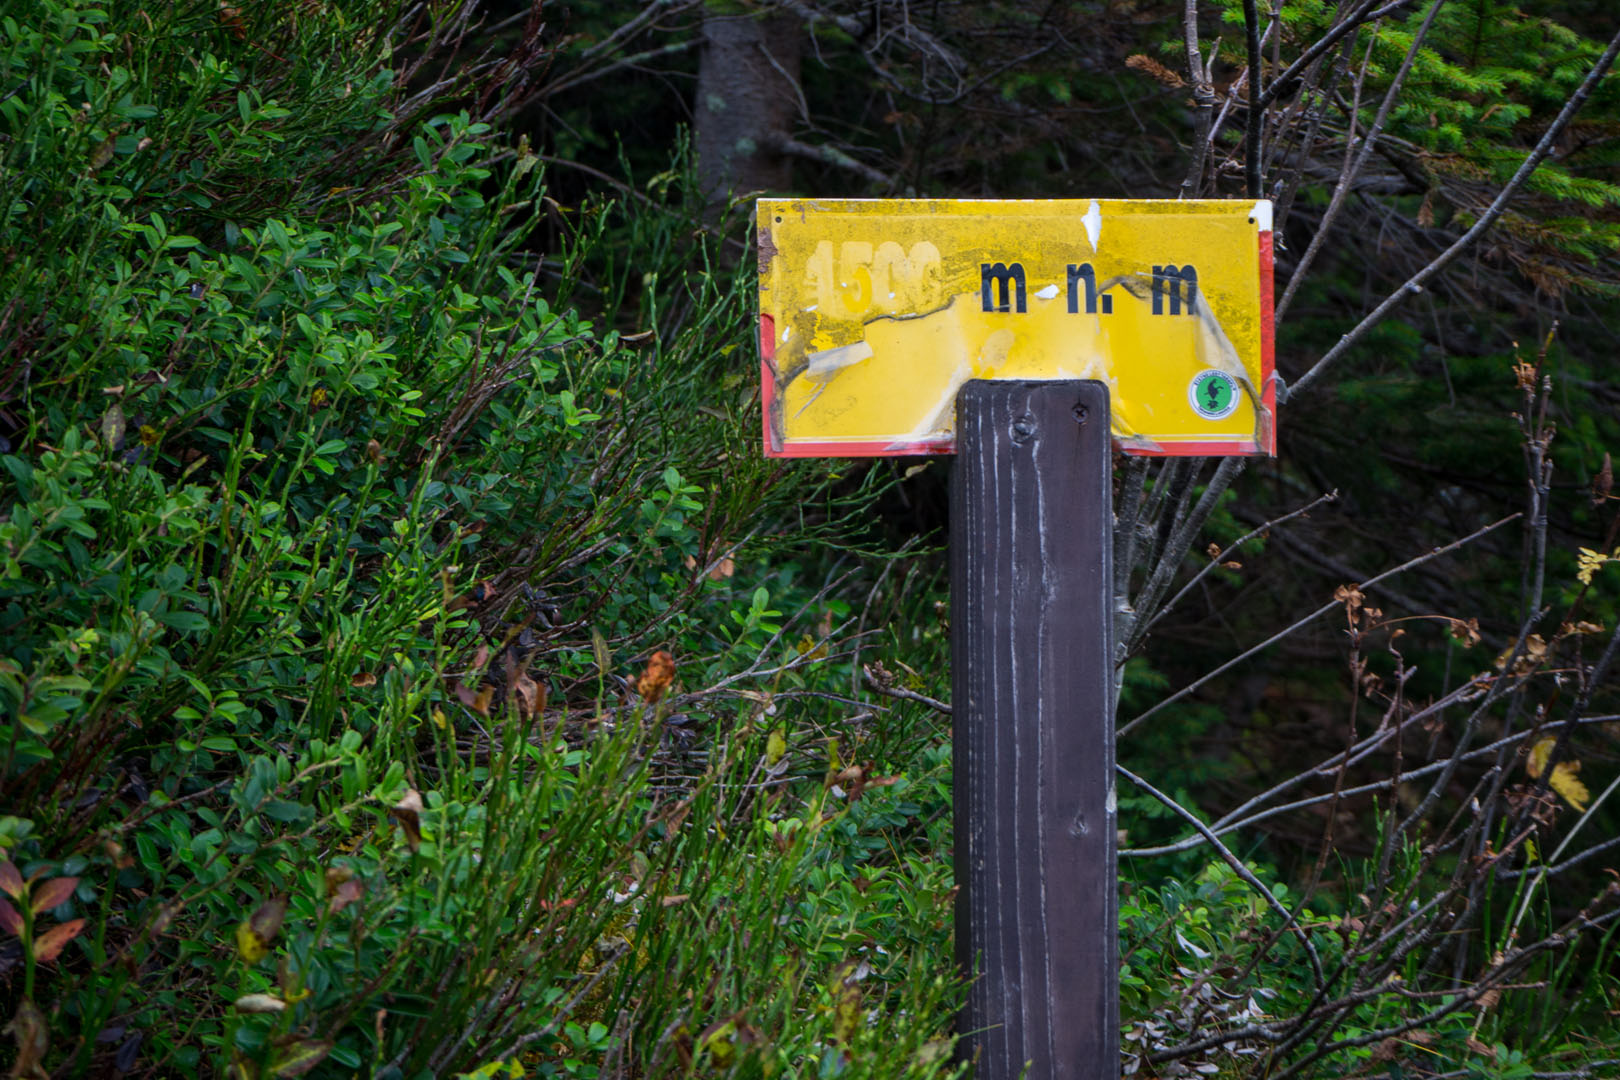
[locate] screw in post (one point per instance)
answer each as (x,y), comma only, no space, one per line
(1081,414)
(1023,429)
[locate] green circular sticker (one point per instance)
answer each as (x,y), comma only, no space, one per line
(1214,394)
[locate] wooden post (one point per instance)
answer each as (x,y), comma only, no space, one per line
(1036,914)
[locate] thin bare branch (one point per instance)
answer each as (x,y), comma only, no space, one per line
(1237,867)
(1313,616)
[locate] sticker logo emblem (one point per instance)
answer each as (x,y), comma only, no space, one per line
(1214,394)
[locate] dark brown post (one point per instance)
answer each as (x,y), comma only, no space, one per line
(1031,539)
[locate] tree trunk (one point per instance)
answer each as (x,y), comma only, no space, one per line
(748,92)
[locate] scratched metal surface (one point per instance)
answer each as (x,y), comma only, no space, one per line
(873,312)
(1033,720)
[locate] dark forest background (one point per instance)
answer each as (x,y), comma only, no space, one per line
(409,665)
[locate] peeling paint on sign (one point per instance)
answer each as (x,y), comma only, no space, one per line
(873,312)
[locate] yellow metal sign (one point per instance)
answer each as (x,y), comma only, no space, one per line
(873,312)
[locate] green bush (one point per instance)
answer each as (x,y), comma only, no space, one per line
(331,530)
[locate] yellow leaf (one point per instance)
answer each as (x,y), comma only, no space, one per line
(846,1012)
(249,945)
(1563,779)
(1535,651)
(775,746)
(1566,784)
(1537,762)
(1588,563)
(719,1041)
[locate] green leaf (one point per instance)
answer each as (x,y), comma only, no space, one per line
(42,718)
(187,622)
(284,811)
(278,234)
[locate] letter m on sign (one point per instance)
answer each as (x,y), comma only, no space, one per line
(1008,278)
(1169,279)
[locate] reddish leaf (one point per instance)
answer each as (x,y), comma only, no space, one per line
(266,921)
(342,888)
(231,17)
(11,879)
(49,944)
(478,701)
(53,892)
(10,919)
(659,674)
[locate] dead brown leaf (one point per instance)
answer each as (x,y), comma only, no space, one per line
(659,674)
(33,1034)
(531,696)
(408,812)
(1154,70)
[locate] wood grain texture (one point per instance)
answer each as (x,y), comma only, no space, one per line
(1031,546)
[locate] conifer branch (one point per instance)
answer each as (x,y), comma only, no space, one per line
(1354,166)
(1257,115)
(1284,82)
(1498,206)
